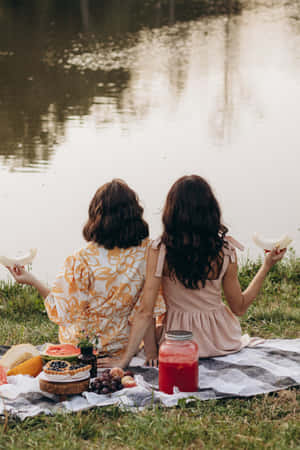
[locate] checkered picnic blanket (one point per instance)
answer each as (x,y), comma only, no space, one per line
(269,367)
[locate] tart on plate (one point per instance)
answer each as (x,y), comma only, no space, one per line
(57,367)
(77,368)
(64,371)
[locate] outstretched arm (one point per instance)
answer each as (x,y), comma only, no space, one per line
(24,277)
(150,345)
(143,318)
(239,301)
(62,308)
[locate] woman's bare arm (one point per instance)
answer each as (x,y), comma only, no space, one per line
(24,277)
(239,301)
(150,345)
(144,315)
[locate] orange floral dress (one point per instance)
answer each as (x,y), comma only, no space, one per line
(98,291)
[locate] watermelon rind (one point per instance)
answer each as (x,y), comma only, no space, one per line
(46,357)
(63,358)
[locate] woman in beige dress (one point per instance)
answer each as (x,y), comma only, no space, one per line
(192,263)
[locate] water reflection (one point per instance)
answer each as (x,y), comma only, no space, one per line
(147,95)
(59,60)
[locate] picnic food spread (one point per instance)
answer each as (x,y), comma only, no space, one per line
(61,370)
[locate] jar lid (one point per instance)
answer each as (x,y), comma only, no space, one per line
(179,335)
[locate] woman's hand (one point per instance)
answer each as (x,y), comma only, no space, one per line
(239,301)
(151,356)
(104,363)
(150,345)
(272,257)
(21,275)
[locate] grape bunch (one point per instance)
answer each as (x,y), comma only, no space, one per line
(112,380)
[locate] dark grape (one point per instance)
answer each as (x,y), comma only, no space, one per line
(105,383)
(117,379)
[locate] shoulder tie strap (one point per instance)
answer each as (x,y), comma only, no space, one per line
(233,243)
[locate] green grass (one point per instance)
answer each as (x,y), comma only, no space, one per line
(268,421)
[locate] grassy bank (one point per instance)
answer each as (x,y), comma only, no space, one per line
(270,421)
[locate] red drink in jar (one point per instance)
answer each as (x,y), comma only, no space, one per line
(178,362)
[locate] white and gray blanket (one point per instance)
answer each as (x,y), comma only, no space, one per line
(269,367)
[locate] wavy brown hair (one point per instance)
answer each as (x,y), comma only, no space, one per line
(193,233)
(115,217)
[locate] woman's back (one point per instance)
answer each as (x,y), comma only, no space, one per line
(202,311)
(101,288)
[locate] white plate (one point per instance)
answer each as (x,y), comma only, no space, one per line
(44,377)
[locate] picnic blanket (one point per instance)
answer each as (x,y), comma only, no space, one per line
(269,367)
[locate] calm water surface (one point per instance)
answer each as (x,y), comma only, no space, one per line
(146,91)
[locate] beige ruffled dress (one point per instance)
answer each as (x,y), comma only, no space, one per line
(215,328)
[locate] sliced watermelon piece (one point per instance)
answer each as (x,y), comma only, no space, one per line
(3,379)
(63,350)
(67,352)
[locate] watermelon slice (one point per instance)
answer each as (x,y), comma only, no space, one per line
(3,379)
(67,352)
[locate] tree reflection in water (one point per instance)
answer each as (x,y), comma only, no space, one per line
(39,93)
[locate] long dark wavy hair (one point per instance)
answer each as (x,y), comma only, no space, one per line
(115,217)
(193,233)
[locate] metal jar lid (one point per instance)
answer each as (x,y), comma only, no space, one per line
(179,335)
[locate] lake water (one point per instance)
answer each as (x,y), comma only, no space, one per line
(147,92)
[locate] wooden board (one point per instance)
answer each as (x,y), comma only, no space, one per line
(64,389)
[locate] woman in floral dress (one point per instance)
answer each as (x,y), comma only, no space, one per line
(99,286)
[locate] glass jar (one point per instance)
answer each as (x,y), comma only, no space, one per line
(88,357)
(178,362)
